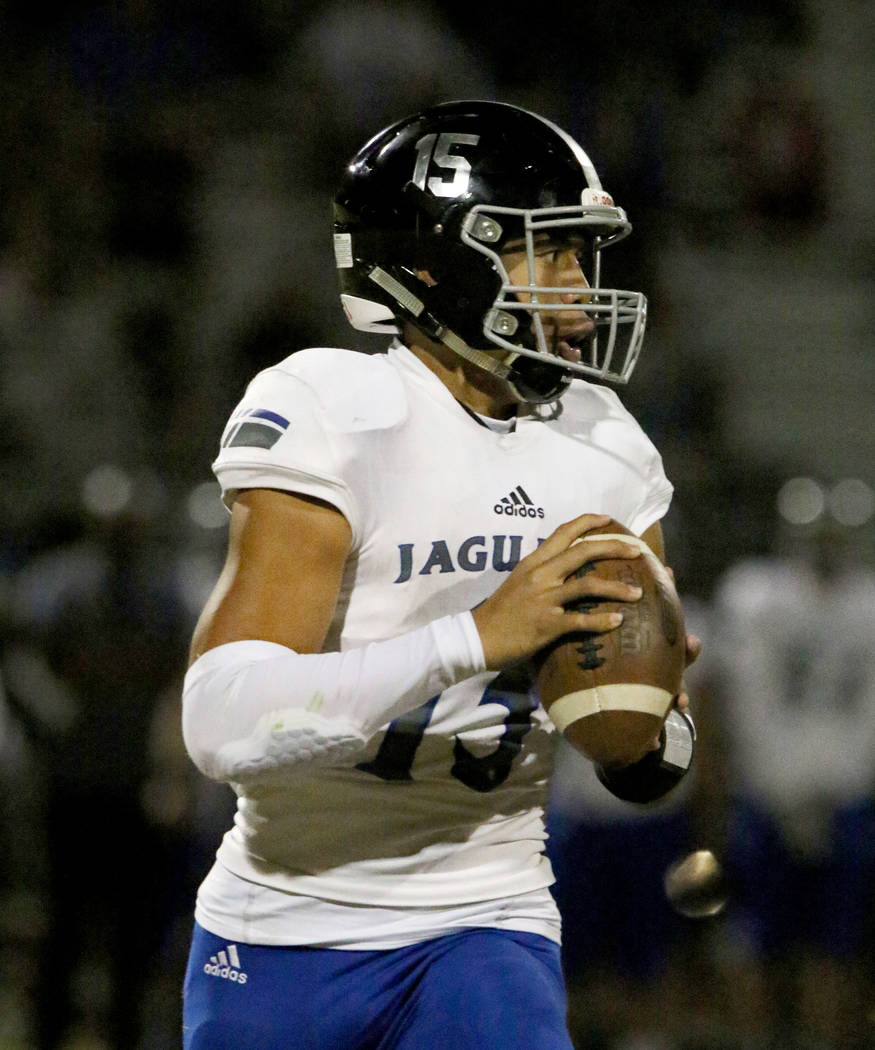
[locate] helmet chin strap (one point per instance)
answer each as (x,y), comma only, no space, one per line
(497,365)
(505,365)
(508,367)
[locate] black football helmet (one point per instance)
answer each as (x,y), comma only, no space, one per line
(446,191)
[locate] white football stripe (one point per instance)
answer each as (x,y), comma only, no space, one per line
(633,541)
(646,699)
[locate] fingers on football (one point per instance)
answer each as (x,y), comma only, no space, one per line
(591,623)
(694,648)
(562,537)
(580,554)
(594,586)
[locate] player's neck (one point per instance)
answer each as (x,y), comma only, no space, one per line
(478,390)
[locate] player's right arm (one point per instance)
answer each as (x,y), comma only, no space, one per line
(260,694)
(282,573)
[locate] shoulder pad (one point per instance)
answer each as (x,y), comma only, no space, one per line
(355,391)
(596,415)
(589,401)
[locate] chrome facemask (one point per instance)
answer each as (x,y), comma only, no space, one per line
(611,351)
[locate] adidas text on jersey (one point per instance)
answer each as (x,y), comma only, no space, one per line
(518,504)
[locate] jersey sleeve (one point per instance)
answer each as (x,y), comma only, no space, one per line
(657,490)
(279,437)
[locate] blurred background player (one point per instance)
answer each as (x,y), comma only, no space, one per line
(793,681)
(90,672)
(389,756)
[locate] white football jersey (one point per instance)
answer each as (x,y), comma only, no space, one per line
(796,662)
(444,806)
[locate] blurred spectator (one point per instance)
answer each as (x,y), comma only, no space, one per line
(358,66)
(777,153)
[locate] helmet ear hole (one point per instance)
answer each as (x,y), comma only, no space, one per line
(455,297)
(465,285)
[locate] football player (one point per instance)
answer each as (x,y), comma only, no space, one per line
(403,537)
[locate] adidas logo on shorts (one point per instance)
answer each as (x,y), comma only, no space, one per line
(226,964)
(518,504)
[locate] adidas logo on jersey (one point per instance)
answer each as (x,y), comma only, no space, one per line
(226,964)
(518,504)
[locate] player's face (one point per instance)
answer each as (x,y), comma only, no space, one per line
(554,265)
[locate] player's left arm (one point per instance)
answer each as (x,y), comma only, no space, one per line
(655,540)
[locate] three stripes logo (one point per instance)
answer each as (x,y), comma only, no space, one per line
(518,504)
(226,964)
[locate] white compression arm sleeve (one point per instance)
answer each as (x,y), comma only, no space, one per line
(251,708)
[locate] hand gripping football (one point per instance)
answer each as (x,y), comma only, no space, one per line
(609,694)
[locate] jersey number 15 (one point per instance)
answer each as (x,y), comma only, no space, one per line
(394,759)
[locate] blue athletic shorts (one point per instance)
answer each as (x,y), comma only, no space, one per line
(478,988)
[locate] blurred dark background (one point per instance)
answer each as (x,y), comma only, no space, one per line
(165,217)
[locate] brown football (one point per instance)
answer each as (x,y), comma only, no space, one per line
(610,693)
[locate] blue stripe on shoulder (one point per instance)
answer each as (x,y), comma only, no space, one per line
(264,413)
